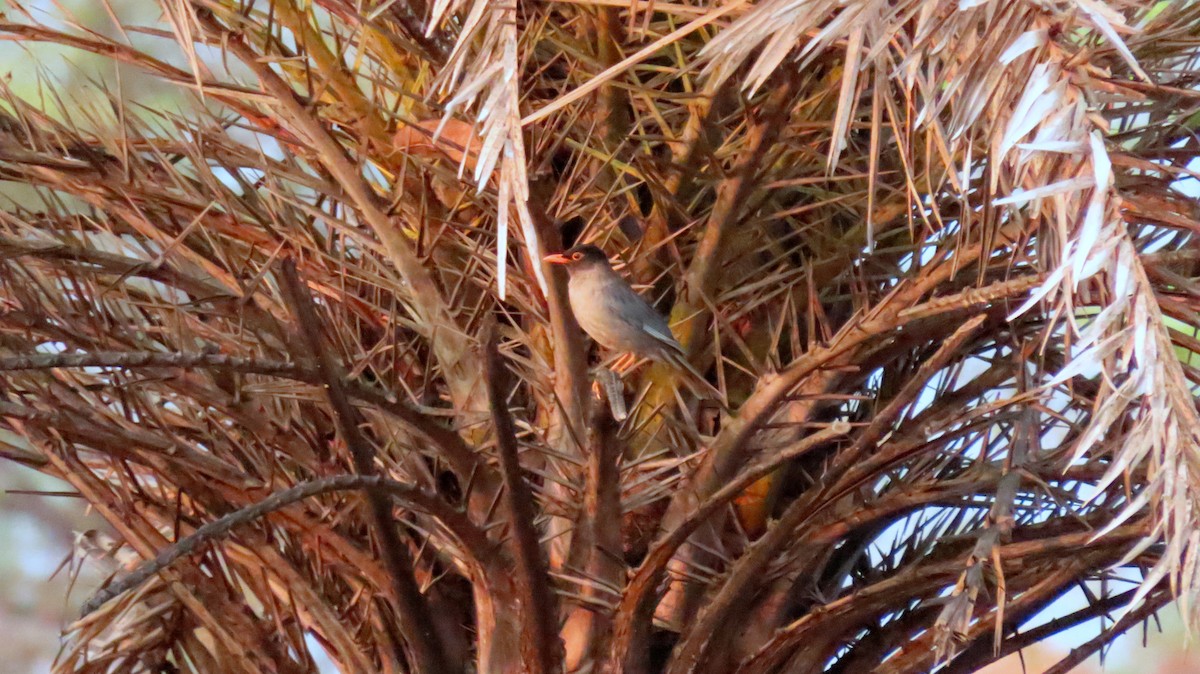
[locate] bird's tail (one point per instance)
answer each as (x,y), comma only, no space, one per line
(694,379)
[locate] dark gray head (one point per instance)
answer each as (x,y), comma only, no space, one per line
(580,258)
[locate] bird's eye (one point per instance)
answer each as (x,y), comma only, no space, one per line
(576,256)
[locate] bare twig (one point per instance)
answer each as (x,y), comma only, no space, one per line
(1078,655)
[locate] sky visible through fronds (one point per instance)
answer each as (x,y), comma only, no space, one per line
(272,302)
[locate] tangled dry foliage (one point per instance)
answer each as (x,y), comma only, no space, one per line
(296,345)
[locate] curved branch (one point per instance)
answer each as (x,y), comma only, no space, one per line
(897,311)
(976,656)
(694,645)
(787,638)
(727,450)
(881,421)
(636,608)
(428,651)
(474,540)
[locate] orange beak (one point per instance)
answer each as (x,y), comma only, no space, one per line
(557,258)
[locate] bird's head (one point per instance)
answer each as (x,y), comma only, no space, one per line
(580,258)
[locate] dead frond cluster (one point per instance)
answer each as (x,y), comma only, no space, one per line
(291,336)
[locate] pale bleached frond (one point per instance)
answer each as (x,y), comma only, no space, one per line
(1128,342)
(776,32)
(484,73)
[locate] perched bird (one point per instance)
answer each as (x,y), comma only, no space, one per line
(614,315)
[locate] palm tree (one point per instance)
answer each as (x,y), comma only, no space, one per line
(293,338)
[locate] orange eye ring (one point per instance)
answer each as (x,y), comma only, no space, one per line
(577,256)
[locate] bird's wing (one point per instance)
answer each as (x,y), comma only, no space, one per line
(637,312)
(664,336)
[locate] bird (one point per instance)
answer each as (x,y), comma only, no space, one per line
(612,313)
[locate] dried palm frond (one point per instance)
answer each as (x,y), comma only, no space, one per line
(939,257)
(491,74)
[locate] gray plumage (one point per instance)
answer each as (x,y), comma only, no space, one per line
(614,315)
